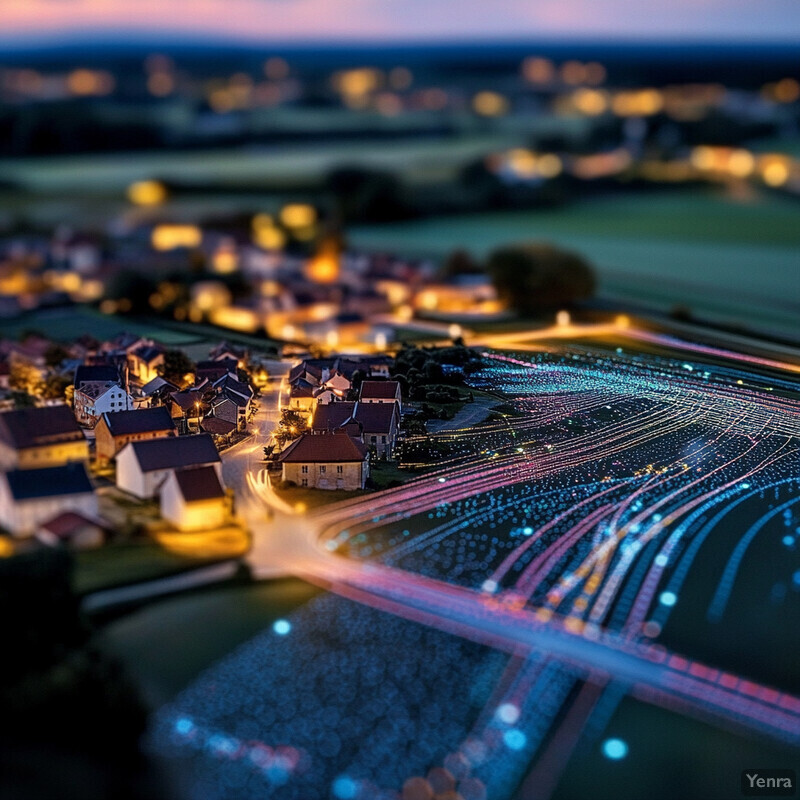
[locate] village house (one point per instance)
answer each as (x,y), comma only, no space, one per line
(377,423)
(233,401)
(116,429)
(155,393)
(327,460)
(225,351)
(214,370)
(188,407)
(194,499)
(381,392)
(142,467)
(144,363)
(44,436)
(220,429)
(72,529)
(95,398)
(31,497)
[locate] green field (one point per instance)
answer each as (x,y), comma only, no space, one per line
(166,645)
(736,259)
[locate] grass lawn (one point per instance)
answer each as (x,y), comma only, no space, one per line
(120,563)
(166,645)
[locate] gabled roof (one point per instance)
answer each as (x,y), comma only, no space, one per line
(68,523)
(32,484)
(227,383)
(302,389)
(220,350)
(148,353)
(329,416)
(157,384)
(217,426)
(214,370)
(199,483)
(380,390)
(93,373)
(96,389)
(124,340)
(187,398)
(321,448)
(39,426)
(174,452)
(145,420)
(376,417)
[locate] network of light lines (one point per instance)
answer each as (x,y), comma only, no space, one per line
(611,503)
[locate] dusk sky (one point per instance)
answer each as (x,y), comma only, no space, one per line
(287,20)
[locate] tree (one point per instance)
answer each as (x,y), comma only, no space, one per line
(292,425)
(55,387)
(26,378)
(54,355)
(176,365)
(536,276)
(460,262)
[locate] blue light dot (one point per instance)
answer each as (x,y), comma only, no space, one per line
(184,726)
(281,626)
(615,749)
(796,578)
(788,540)
(668,598)
(514,739)
(661,560)
(527,530)
(345,788)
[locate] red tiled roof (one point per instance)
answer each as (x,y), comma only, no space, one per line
(320,448)
(199,483)
(39,426)
(67,523)
(382,390)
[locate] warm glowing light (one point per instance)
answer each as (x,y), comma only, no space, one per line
(590,101)
(775,172)
(563,319)
(160,84)
(573,73)
(171,237)
(454,331)
(523,162)
(741,163)
(786,90)
(147,193)
(637,103)
(356,82)
(89,82)
(702,158)
(298,215)
(236,318)
(269,238)
(595,73)
(622,321)
(549,165)
(538,70)
(489,104)
(324,266)
(225,260)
